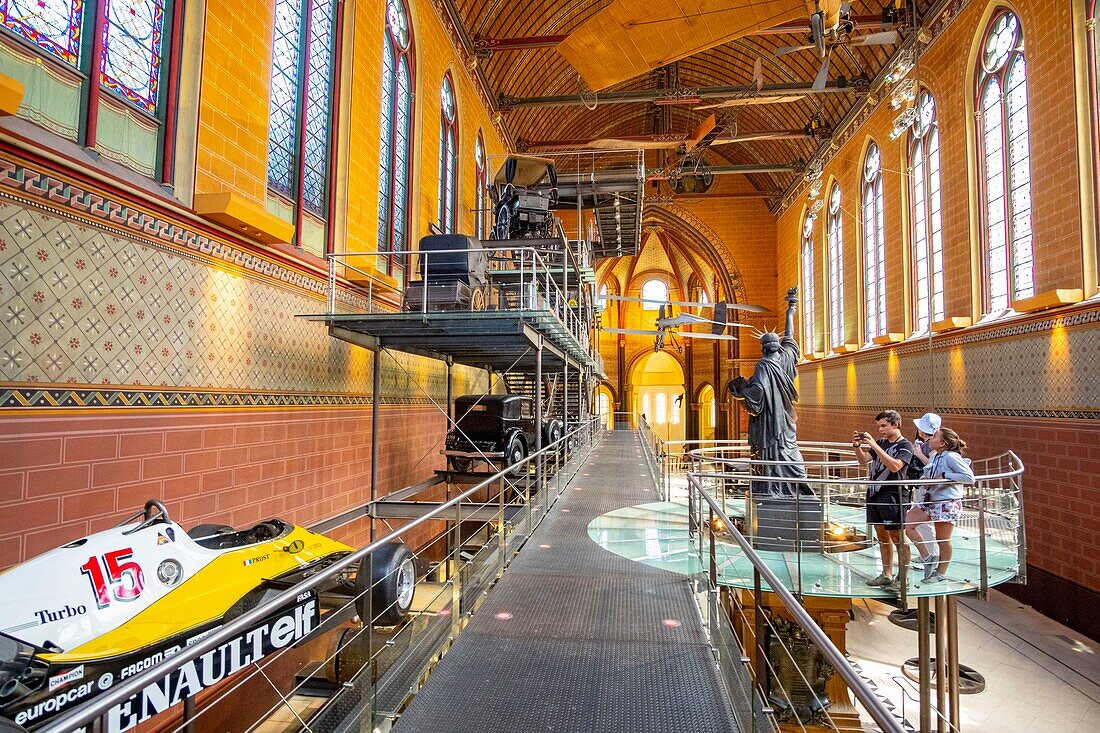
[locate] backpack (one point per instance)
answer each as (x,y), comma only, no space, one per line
(915,469)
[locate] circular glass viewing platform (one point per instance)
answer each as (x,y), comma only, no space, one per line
(656,534)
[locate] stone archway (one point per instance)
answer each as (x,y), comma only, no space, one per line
(657,384)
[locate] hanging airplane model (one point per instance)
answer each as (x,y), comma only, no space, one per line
(667,322)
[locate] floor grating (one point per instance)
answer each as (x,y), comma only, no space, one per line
(574,638)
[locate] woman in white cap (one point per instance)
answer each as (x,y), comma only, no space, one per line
(927,426)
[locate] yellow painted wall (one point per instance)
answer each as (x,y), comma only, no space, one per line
(231,153)
(234,114)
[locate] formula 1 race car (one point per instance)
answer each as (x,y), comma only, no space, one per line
(78,619)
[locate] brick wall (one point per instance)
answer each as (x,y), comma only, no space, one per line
(64,477)
(1060,498)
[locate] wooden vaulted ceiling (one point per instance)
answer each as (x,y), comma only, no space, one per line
(514,76)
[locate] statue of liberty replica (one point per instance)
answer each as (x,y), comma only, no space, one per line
(787,513)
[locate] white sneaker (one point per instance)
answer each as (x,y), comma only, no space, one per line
(930,564)
(935,577)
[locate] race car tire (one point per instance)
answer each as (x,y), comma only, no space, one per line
(208,530)
(515,450)
(460,464)
(391,570)
(6,726)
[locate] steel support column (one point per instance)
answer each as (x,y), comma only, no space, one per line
(923,665)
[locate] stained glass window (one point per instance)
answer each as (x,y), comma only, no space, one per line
(808,304)
(133,35)
(1006,165)
(55,26)
(481,186)
(303,51)
(394,152)
(836,269)
(132,38)
(448,155)
(927,220)
(874,246)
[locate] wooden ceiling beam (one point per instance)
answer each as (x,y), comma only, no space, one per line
(833,86)
(742,136)
(859,22)
(487,46)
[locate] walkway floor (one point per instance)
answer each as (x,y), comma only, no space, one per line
(1040,676)
(576,639)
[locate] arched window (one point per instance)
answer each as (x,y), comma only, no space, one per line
(654,294)
(1005,165)
(301,103)
(660,411)
(396,133)
(808,304)
(125,47)
(836,269)
(924,162)
(481,188)
(1094,79)
(601,297)
(874,248)
(448,154)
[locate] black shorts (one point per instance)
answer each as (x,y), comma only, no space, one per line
(885,508)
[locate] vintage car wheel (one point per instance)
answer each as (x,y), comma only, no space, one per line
(208,530)
(392,581)
(6,726)
(514,452)
(551,433)
(478,299)
(460,464)
(503,227)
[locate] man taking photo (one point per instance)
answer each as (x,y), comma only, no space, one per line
(889,459)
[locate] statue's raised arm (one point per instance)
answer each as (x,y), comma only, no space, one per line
(792,302)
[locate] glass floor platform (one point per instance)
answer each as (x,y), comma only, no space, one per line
(656,534)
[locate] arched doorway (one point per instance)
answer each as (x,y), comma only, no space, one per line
(605,406)
(658,385)
(707,412)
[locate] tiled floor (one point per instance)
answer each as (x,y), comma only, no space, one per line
(1040,676)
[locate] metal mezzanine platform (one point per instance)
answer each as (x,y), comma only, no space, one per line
(497,340)
(576,638)
(530,305)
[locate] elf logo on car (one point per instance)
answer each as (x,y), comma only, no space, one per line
(74,674)
(278,632)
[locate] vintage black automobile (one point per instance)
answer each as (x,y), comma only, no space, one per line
(524,191)
(498,429)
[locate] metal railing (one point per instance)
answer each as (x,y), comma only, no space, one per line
(518,279)
(762,573)
(744,561)
(988,538)
(367,672)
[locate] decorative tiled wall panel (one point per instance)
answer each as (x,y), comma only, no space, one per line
(1041,367)
(99,296)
